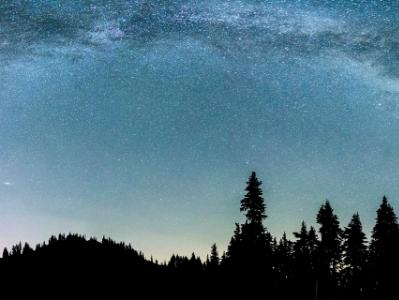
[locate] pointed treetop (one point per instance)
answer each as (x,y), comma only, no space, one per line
(303,232)
(253,204)
(326,215)
(384,200)
(356,218)
(214,259)
(386,222)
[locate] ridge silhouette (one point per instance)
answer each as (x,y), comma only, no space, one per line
(331,263)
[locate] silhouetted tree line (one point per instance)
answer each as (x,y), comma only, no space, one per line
(328,263)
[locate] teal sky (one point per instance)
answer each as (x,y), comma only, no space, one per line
(141,120)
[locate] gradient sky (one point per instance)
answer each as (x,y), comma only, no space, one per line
(141,120)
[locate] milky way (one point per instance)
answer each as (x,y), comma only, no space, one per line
(142,119)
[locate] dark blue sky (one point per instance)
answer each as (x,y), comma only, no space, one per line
(141,120)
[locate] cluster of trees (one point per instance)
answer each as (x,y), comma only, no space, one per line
(328,263)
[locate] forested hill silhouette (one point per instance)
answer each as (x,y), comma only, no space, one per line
(328,263)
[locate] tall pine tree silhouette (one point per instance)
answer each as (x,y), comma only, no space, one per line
(329,250)
(249,250)
(384,249)
(255,239)
(304,262)
(355,259)
(234,250)
(282,266)
(214,260)
(253,204)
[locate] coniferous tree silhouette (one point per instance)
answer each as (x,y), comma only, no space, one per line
(305,262)
(27,250)
(282,266)
(253,204)
(223,258)
(250,246)
(329,254)
(16,250)
(249,251)
(234,250)
(5,253)
(355,258)
(255,239)
(336,265)
(384,249)
(313,244)
(214,259)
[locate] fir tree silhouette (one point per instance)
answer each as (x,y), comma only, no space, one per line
(305,262)
(250,246)
(5,253)
(253,204)
(384,249)
(329,251)
(249,251)
(355,258)
(333,264)
(214,260)
(282,267)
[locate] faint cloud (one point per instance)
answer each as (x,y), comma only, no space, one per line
(7,183)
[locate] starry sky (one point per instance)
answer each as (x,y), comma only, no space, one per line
(141,120)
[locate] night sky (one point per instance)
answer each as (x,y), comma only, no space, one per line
(141,120)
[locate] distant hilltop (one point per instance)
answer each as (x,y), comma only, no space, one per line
(331,263)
